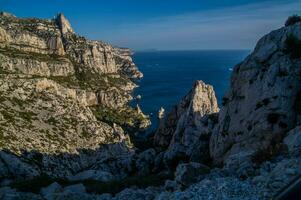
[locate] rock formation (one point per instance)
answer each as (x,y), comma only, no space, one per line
(263,102)
(186,129)
(63,103)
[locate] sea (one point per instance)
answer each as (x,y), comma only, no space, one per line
(169,75)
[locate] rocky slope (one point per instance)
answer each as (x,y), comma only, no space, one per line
(63,103)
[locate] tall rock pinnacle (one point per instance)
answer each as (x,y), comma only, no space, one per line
(64,24)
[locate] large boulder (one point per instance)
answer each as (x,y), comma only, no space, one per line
(189,173)
(145,161)
(263,102)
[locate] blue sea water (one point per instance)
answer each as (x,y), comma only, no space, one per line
(169,75)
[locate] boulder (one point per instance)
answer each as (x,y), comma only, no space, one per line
(92,175)
(50,192)
(189,173)
(145,161)
(7,193)
(170,185)
(137,194)
(293,140)
(77,188)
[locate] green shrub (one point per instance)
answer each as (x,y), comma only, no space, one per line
(293,20)
(293,46)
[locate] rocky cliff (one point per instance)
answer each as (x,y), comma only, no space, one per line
(63,103)
(186,130)
(263,102)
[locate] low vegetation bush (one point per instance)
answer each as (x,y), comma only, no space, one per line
(293,46)
(276,147)
(273,118)
(293,20)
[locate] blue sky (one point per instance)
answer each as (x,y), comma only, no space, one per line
(165,24)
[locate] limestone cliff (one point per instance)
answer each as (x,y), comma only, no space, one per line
(185,131)
(263,102)
(63,103)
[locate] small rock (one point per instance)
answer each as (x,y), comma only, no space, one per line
(78,188)
(161,113)
(50,191)
(293,140)
(104,197)
(92,175)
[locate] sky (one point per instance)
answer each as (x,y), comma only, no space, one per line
(165,24)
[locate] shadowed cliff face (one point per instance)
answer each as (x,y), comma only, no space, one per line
(261,105)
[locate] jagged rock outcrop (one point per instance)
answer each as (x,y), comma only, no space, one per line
(64,24)
(263,102)
(185,131)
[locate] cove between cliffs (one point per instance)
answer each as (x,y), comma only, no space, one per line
(169,75)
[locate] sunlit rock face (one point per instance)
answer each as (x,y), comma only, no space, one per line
(185,131)
(63,102)
(263,102)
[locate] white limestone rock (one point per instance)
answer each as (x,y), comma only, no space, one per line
(263,102)
(186,129)
(64,24)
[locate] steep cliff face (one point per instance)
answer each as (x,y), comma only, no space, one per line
(63,103)
(263,102)
(185,131)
